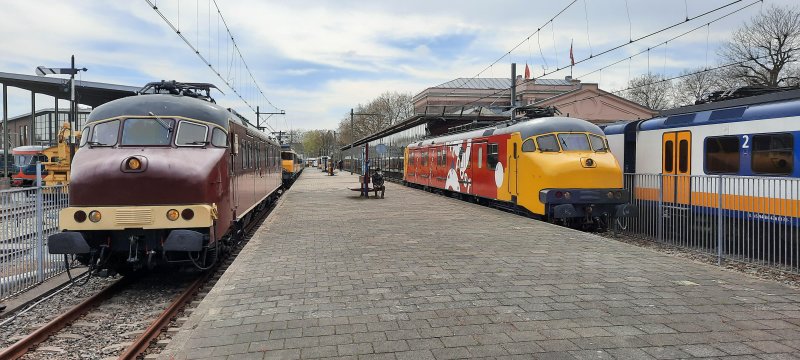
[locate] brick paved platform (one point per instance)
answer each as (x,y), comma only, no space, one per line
(419,276)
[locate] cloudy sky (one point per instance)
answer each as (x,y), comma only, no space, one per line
(317,59)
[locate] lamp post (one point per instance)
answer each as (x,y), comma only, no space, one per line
(73,106)
(353,138)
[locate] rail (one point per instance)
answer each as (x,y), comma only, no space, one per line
(27,217)
(734,218)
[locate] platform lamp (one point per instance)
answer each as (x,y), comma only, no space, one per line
(73,107)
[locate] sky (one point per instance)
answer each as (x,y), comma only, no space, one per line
(318,59)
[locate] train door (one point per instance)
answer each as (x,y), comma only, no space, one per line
(234,161)
(480,171)
(676,166)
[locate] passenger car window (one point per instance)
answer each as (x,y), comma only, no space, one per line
(683,156)
(772,154)
(528,146)
(219,138)
(480,157)
(669,155)
(574,142)
(547,143)
(144,132)
(722,155)
(191,134)
(598,143)
(491,156)
(105,134)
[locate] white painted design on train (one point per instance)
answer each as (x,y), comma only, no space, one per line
(498,175)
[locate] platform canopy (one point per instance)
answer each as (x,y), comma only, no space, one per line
(88,92)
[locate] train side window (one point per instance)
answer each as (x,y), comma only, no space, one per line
(219,138)
(411,157)
(669,156)
(424,161)
(491,156)
(722,155)
(547,143)
(480,157)
(191,134)
(683,156)
(528,146)
(773,154)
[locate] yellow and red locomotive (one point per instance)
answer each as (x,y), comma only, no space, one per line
(167,177)
(555,168)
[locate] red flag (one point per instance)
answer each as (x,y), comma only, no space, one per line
(571,57)
(527,72)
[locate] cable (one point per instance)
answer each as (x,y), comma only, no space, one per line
(512,49)
(672,39)
(609,50)
(233,48)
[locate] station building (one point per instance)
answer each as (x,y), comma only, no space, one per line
(41,128)
(463,103)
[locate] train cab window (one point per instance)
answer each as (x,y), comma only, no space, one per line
(105,134)
(147,132)
(491,156)
(85,136)
(528,146)
(722,155)
(219,138)
(547,143)
(574,142)
(773,154)
(598,143)
(191,134)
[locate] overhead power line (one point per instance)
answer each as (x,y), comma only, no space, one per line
(242,93)
(632,41)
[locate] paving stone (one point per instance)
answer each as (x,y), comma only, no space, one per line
(331,275)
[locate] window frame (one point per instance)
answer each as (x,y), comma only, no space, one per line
(531,141)
(492,149)
(178,132)
(790,151)
(169,142)
(706,141)
(224,133)
(554,137)
(602,139)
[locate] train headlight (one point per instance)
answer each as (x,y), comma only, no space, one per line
(134,164)
(618,195)
(172,214)
(559,194)
(610,195)
(187,214)
(95,216)
(567,195)
(79,216)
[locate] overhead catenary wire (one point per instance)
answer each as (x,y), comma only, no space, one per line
(231,58)
(557,69)
(673,39)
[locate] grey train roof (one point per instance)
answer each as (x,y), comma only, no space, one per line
(526,129)
(163,105)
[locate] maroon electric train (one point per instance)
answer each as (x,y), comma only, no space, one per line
(164,178)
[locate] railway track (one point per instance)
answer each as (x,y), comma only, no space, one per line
(111,317)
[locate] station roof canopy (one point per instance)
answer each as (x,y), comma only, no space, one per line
(87,92)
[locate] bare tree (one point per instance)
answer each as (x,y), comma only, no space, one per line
(650,90)
(768,48)
(694,85)
(386,110)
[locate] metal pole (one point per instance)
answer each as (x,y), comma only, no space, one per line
(54,124)
(73,109)
(39,228)
(660,210)
(720,191)
(33,118)
(513,89)
(5,130)
(352,142)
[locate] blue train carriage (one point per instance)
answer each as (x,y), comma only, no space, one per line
(755,140)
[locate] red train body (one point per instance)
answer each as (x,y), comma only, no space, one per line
(164,179)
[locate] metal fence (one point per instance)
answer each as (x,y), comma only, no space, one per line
(27,217)
(748,219)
